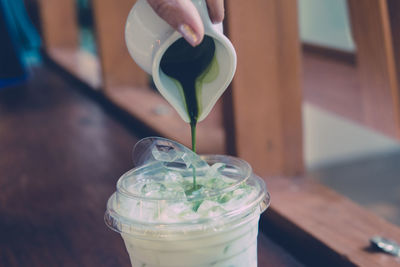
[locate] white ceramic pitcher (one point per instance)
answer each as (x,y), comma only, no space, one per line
(148,37)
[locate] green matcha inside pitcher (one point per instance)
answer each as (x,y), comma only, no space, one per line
(192,79)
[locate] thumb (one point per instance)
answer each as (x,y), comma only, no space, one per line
(182,15)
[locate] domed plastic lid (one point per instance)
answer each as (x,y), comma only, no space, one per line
(174,190)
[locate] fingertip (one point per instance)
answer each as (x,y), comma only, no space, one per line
(189,34)
(183,16)
(217,18)
(191,18)
(216,10)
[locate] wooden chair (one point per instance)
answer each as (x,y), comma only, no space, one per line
(266,102)
(375,25)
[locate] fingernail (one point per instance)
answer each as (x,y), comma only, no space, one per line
(188,33)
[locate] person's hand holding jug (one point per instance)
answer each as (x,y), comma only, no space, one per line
(183,16)
(160,33)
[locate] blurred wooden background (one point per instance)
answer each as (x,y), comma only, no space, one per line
(259,118)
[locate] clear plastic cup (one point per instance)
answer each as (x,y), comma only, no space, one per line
(212,235)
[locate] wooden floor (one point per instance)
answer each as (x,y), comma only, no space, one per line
(61,154)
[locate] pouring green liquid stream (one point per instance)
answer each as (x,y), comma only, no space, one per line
(188,66)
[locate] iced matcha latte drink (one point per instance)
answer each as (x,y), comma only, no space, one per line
(165,221)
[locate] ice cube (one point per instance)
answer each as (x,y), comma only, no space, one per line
(175,191)
(178,212)
(238,197)
(173,177)
(153,189)
(218,183)
(215,179)
(210,208)
(152,149)
(141,210)
(215,170)
(192,160)
(165,153)
(225,197)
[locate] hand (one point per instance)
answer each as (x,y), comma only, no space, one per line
(183,16)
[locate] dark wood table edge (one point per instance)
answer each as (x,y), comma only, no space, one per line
(320,227)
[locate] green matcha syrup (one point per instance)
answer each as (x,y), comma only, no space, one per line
(190,67)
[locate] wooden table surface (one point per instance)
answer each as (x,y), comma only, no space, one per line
(61,154)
